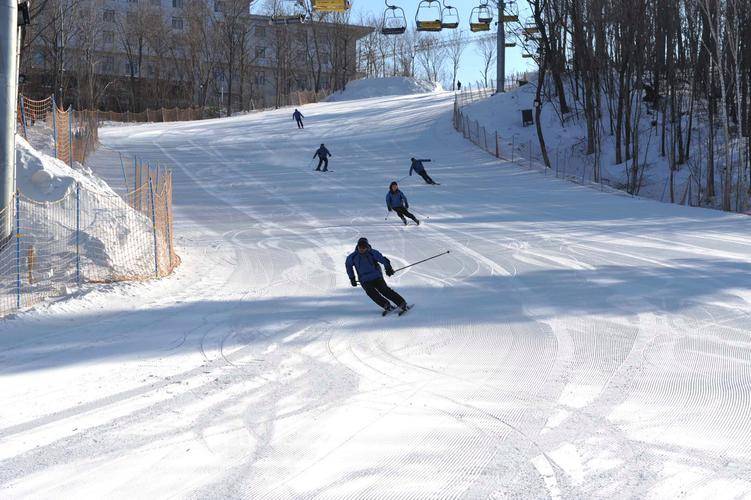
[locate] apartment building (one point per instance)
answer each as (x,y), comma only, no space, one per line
(136,54)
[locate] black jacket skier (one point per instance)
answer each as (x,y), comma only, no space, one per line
(396,201)
(298,118)
(419,168)
(323,158)
(367,262)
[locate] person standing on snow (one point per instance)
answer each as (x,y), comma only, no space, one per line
(323,158)
(458,85)
(367,262)
(298,118)
(419,168)
(396,201)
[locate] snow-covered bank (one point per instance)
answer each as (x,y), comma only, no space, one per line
(573,344)
(566,141)
(380,87)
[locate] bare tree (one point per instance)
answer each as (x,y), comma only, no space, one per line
(487,50)
(455,48)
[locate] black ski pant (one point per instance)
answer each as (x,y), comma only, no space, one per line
(426,177)
(402,212)
(380,293)
(324,162)
(299,123)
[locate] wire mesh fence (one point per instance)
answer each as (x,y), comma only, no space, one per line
(88,236)
(564,163)
(91,234)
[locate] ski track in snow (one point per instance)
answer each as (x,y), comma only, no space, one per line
(573,344)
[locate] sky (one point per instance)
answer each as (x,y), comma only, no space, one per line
(470,69)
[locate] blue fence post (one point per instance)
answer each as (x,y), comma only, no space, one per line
(153,226)
(54,123)
(78,232)
(70,136)
(135,183)
(167,221)
(122,167)
(23,115)
(18,250)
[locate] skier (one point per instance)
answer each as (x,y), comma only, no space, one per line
(396,201)
(323,158)
(419,168)
(365,260)
(298,118)
(458,85)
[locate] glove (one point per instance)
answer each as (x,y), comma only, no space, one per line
(353,282)
(389,271)
(406,205)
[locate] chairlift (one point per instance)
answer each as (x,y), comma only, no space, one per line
(394,20)
(484,14)
(450,17)
(331,5)
(478,17)
(509,45)
(511,13)
(429,16)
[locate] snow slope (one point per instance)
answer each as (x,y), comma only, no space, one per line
(573,344)
(380,87)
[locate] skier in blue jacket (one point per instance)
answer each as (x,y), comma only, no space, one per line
(367,262)
(298,118)
(419,168)
(396,201)
(323,158)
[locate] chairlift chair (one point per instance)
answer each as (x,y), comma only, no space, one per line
(331,5)
(484,14)
(450,17)
(429,16)
(475,22)
(511,13)
(394,20)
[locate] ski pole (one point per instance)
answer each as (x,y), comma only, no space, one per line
(387,216)
(423,260)
(421,214)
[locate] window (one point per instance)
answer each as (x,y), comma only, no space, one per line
(177,4)
(39,58)
(217,6)
(128,67)
(132,1)
(177,23)
(158,3)
(260,52)
(261,31)
(130,18)
(260,78)
(108,64)
(108,16)
(108,36)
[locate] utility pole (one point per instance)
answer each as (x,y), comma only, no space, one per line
(500,63)
(8,83)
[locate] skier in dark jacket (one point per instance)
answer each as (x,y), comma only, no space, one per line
(419,168)
(323,158)
(367,262)
(396,201)
(298,118)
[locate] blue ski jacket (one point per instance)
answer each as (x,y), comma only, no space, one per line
(396,200)
(417,166)
(322,153)
(366,265)
(297,115)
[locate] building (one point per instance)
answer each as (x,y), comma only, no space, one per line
(135,54)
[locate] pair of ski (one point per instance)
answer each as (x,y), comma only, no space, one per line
(400,310)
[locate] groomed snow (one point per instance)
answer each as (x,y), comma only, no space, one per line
(380,87)
(573,344)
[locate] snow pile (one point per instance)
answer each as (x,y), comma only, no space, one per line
(44,178)
(114,239)
(378,87)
